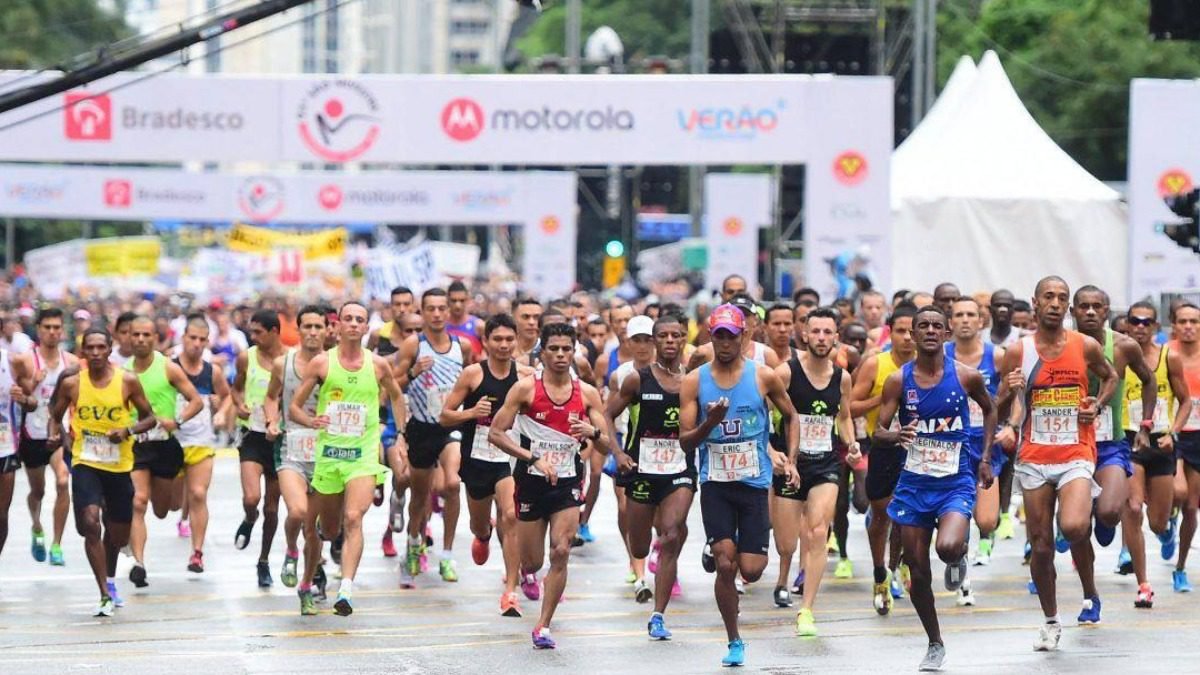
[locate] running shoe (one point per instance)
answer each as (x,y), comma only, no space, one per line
(631,577)
(437,503)
(344,606)
(480,550)
(983,554)
(38,546)
(1090,614)
(706,559)
(196,562)
(657,628)
(448,570)
(242,539)
(955,574)
(1104,533)
(806,625)
(798,583)
(288,574)
(652,559)
(1060,542)
(116,597)
(895,585)
(424,559)
(905,577)
(319,583)
(530,586)
(1031,587)
(883,597)
(264,574)
(641,592)
(397,511)
(1005,529)
(137,574)
(934,657)
(1028,553)
(676,589)
(412,560)
(576,540)
(1047,638)
(736,656)
(335,548)
(56,555)
(407,580)
(389,545)
(964,597)
(1145,597)
(377,498)
(782,597)
(844,569)
(542,639)
(739,585)
(106,608)
(1124,562)
(585,533)
(509,605)
(307,606)
(184,529)
(1179,581)
(1167,538)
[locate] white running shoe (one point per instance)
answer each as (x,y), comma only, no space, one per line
(1048,636)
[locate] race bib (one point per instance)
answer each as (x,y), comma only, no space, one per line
(860,427)
(484,451)
(560,455)
(346,419)
(435,399)
(1161,423)
(38,421)
(1193,420)
(1104,425)
(156,434)
(258,418)
(301,445)
(7,446)
(661,457)
(931,457)
(99,450)
(976,421)
(1055,416)
(732,462)
(816,434)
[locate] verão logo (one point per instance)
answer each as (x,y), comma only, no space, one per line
(338,120)
(118,193)
(850,168)
(87,117)
(462,119)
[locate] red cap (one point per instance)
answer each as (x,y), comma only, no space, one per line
(727,317)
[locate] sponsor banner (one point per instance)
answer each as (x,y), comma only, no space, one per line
(1164,161)
(735,207)
(540,119)
(549,235)
(313,246)
(122,257)
(413,267)
(70,265)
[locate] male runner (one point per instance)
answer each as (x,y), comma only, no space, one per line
(386,339)
(256,454)
(459,322)
(406,323)
(780,323)
(480,389)
(158,456)
(49,362)
(937,486)
(723,416)
(297,453)
(884,461)
(549,410)
(872,307)
(121,333)
(944,295)
(1057,456)
(608,363)
(16,385)
(196,436)
(428,365)
(100,397)
(852,336)
(1152,487)
(816,387)
(753,350)
(659,477)
(734,284)
(1187,335)
(350,380)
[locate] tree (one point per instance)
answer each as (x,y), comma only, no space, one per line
(49,33)
(647,27)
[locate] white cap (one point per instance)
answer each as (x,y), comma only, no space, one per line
(639,325)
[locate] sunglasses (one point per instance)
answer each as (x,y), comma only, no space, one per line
(1140,321)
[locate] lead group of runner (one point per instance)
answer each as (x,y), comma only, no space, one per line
(922,421)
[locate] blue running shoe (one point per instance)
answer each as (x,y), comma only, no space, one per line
(585,533)
(1180,581)
(1032,587)
(1060,542)
(657,628)
(1167,539)
(1090,614)
(868,520)
(112,593)
(1028,553)
(610,466)
(38,547)
(798,583)
(542,639)
(1124,562)
(1104,533)
(897,587)
(736,656)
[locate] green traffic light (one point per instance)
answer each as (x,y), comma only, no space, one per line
(614,248)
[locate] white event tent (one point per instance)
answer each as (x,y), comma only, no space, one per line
(982,197)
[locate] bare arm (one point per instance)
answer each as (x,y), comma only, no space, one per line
(889,404)
(64,393)
(845,422)
(1179,389)
(701,356)
(406,356)
(271,405)
(972,381)
(585,369)
(617,403)
(136,396)
(860,399)
(775,391)
(1099,366)
(520,396)
(467,380)
(221,391)
(239,385)
(692,434)
(22,391)
(183,385)
(387,383)
(314,373)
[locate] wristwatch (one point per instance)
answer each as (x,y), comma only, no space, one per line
(596,434)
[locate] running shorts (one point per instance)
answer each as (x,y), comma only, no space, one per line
(538,500)
(336,467)
(738,512)
(653,489)
(256,448)
(1114,453)
(883,470)
(33,453)
(111,491)
(922,508)
(1152,459)
(163,459)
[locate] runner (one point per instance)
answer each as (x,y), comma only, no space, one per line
(485,470)
(723,416)
(548,474)
(196,435)
(386,339)
(755,351)
(100,397)
(348,380)
(816,387)
(428,365)
(608,363)
(734,284)
(944,295)
(852,483)
(781,322)
(409,324)
(49,362)
(937,486)
(158,456)
(297,453)
(884,461)
(1057,455)
(1187,333)
(256,454)
(460,323)
(1152,487)
(121,333)
(787,510)
(652,464)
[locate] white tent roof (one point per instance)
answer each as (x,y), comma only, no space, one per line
(925,138)
(984,144)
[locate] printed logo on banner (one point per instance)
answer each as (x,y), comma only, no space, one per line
(730,123)
(462,119)
(1174,182)
(261,198)
(118,193)
(733,226)
(330,197)
(483,200)
(338,120)
(36,193)
(87,117)
(850,168)
(550,224)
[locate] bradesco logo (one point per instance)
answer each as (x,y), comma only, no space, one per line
(261,198)
(118,193)
(88,117)
(730,123)
(338,120)
(464,119)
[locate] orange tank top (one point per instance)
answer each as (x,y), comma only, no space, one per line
(1051,432)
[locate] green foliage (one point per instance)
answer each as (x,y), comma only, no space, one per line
(48,33)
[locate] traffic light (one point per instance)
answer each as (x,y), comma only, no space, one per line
(1186,234)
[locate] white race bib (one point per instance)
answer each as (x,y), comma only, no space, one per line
(931,457)
(483,450)
(860,427)
(1055,425)
(1193,421)
(435,398)
(38,421)
(732,462)
(346,419)
(1104,425)
(301,445)
(7,446)
(560,455)
(661,457)
(816,434)
(98,449)
(1161,423)
(976,420)
(258,419)
(158,433)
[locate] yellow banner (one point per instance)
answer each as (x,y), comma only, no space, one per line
(323,244)
(123,257)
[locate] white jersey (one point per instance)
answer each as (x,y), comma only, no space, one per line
(37,423)
(8,411)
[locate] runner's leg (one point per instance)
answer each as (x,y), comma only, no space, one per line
(818,511)
(198,477)
(672,533)
(563,526)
